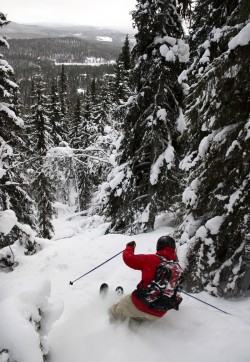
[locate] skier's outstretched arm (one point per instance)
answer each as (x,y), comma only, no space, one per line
(136,262)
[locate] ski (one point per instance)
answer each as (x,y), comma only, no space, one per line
(119,290)
(104,290)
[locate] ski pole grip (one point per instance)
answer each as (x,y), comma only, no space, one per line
(71,283)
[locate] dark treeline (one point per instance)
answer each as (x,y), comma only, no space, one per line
(79,76)
(68,49)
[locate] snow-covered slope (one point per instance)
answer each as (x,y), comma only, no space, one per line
(74,321)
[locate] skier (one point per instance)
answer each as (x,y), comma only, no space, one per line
(135,306)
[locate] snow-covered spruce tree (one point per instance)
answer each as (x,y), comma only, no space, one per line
(93,91)
(90,142)
(87,110)
(120,85)
(59,158)
(56,116)
(101,113)
(41,142)
(215,231)
(76,123)
(146,178)
(63,92)
(13,193)
(125,55)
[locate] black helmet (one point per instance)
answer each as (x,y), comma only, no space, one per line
(164,241)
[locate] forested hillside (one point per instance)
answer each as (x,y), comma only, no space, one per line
(84,59)
(90,33)
(164,129)
(61,50)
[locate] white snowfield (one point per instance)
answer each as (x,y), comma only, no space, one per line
(75,325)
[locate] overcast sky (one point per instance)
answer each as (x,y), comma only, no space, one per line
(112,13)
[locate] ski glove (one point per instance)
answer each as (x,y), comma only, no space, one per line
(131,243)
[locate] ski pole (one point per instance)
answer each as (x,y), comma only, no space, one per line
(98,266)
(202,301)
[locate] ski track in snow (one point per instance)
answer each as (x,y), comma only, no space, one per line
(195,333)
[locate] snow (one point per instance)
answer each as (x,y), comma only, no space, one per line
(182,76)
(181,122)
(81,91)
(175,48)
(117,180)
(181,80)
(168,155)
(218,33)
(241,39)
(4,66)
(65,151)
(189,195)
(162,114)
(88,61)
(4,107)
(235,144)
(170,40)
(205,57)
(247,128)
(104,38)
(74,322)
(145,215)
(130,100)
(2,172)
(183,51)
(237,195)
(4,42)
(214,224)
(189,162)
(218,136)
(8,220)
(19,307)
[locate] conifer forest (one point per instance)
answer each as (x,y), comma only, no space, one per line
(161,125)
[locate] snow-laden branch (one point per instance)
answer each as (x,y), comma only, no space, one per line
(90,150)
(68,152)
(93,157)
(8,220)
(15,165)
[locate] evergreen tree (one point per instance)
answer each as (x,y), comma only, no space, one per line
(89,170)
(120,85)
(91,126)
(13,193)
(56,116)
(215,230)
(63,91)
(146,178)
(41,142)
(101,112)
(76,124)
(93,91)
(125,56)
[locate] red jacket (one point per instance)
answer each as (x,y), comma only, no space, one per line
(147,263)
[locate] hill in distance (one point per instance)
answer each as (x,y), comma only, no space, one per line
(91,33)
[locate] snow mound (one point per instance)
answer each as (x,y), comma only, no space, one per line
(26,318)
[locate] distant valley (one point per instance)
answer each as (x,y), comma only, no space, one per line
(87,52)
(90,33)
